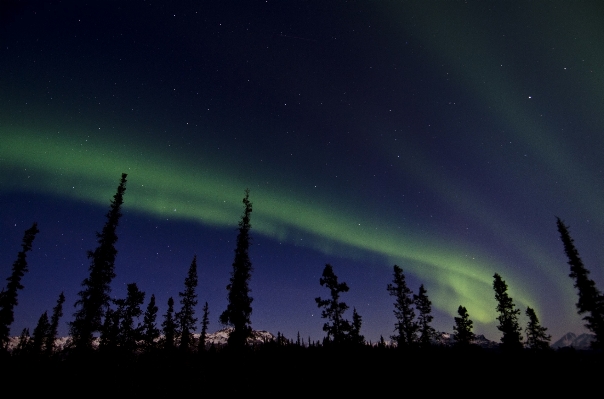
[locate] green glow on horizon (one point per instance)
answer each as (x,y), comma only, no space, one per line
(470,203)
(67,167)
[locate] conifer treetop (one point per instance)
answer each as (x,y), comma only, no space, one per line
(188,300)
(150,332)
(239,308)
(94,297)
(169,325)
(463,327)
(424,308)
(536,335)
(8,297)
(508,315)
(405,325)
(337,328)
(591,300)
(57,313)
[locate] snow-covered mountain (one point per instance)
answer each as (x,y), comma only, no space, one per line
(218,339)
(447,339)
(571,340)
(60,343)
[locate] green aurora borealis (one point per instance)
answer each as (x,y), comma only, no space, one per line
(497,128)
(166,189)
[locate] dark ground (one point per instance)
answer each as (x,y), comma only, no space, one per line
(301,372)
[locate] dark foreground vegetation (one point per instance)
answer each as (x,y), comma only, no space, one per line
(116,348)
(286,371)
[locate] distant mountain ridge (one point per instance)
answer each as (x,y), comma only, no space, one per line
(221,337)
(218,339)
(568,340)
(447,339)
(259,337)
(571,340)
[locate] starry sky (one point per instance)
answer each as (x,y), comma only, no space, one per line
(444,137)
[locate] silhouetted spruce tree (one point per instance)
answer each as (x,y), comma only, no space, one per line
(424,317)
(120,328)
(239,308)
(463,328)
(40,333)
(150,332)
(110,329)
(169,326)
(591,300)
(24,345)
(94,297)
(188,300)
(205,322)
(337,328)
(405,326)
(8,297)
(536,336)
(57,313)
(355,329)
(130,330)
(508,316)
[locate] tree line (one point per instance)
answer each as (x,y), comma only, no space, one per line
(117,321)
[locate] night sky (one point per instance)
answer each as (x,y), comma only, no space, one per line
(444,137)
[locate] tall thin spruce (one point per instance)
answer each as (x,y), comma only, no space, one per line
(239,308)
(336,327)
(205,322)
(463,328)
(39,335)
(424,318)
(188,300)
(129,311)
(8,297)
(537,337)
(150,332)
(591,300)
(57,313)
(406,326)
(356,338)
(508,316)
(169,326)
(94,297)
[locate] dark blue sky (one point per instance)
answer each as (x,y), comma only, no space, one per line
(442,137)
